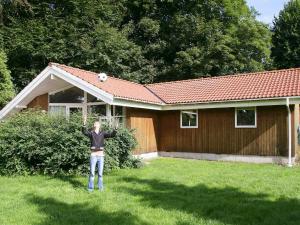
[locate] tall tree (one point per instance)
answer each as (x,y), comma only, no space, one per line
(74,32)
(286,37)
(6,85)
(140,40)
(192,38)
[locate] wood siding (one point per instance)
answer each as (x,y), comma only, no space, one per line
(39,101)
(145,122)
(296,146)
(216,133)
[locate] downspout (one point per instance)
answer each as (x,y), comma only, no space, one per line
(289,132)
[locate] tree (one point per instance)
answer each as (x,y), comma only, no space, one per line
(286,37)
(6,85)
(188,39)
(73,32)
(140,40)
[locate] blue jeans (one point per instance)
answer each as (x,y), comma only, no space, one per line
(93,161)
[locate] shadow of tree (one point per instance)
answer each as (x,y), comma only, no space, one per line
(57,212)
(228,205)
(72,180)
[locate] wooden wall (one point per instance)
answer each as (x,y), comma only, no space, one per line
(40,101)
(295,141)
(146,124)
(216,133)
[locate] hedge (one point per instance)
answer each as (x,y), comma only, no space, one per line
(32,142)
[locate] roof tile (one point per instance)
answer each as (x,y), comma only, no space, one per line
(268,84)
(117,87)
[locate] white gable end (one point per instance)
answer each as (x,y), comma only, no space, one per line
(51,79)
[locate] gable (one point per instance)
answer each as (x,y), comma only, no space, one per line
(48,80)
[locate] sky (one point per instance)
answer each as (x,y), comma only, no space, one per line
(267,8)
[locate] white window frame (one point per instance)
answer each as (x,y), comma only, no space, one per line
(68,106)
(186,111)
(246,126)
(110,109)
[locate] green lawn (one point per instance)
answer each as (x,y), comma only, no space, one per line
(166,191)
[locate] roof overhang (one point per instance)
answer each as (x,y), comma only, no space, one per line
(48,80)
(89,88)
(233,103)
(137,104)
(208,105)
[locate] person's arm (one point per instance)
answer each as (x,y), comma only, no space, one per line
(84,129)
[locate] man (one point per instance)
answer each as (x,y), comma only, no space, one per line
(97,137)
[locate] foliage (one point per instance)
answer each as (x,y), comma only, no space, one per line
(33,142)
(143,41)
(74,32)
(6,85)
(286,37)
(188,39)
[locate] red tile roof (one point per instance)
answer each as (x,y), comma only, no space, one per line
(269,84)
(259,85)
(117,87)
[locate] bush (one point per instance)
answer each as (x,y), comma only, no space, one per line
(33,142)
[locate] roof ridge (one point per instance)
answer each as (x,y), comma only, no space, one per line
(223,76)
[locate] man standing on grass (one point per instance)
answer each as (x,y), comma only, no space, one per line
(97,137)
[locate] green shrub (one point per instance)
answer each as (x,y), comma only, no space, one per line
(33,142)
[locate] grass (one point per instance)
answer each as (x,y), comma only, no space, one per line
(167,191)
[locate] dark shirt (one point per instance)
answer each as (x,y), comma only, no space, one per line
(97,140)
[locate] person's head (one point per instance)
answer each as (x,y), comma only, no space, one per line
(97,125)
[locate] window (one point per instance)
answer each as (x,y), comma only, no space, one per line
(70,95)
(57,110)
(189,119)
(97,110)
(91,98)
(72,100)
(119,114)
(245,117)
(65,110)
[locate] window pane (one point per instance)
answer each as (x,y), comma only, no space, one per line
(76,110)
(245,117)
(97,110)
(57,110)
(193,119)
(71,95)
(118,110)
(91,98)
(189,119)
(185,120)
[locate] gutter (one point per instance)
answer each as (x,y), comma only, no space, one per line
(289,132)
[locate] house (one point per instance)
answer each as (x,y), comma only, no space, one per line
(250,117)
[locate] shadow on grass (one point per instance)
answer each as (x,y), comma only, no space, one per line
(72,180)
(58,212)
(226,205)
